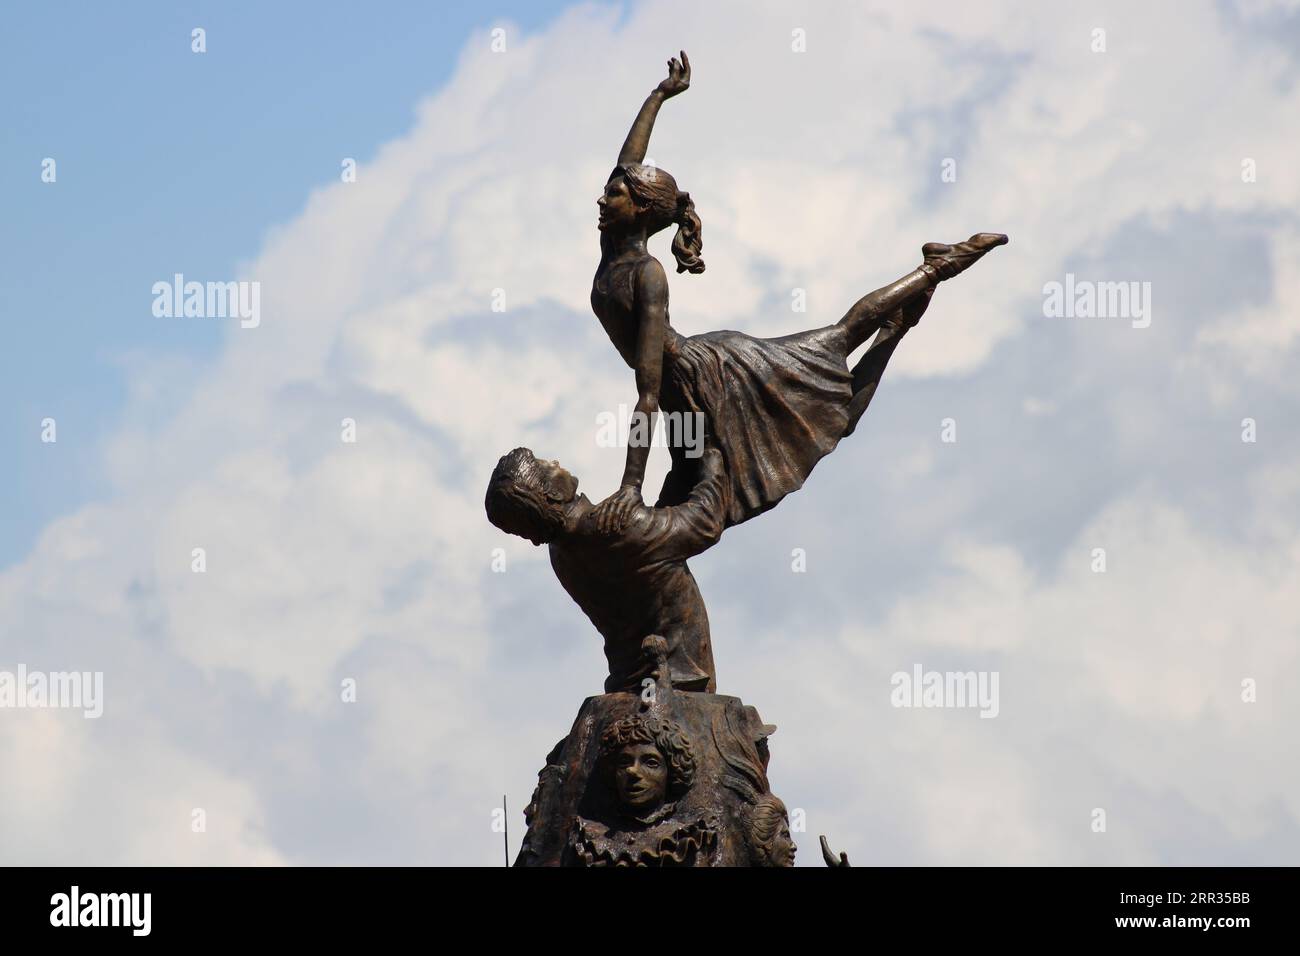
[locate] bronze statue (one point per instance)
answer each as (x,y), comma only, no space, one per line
(660,770)
(773,407)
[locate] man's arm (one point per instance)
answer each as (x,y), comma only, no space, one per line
(691,528)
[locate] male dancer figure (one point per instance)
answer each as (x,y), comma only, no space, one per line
(634,582)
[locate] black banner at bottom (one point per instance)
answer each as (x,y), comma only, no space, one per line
(338,905)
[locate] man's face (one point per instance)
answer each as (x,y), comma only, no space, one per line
(560,484)
(641,777)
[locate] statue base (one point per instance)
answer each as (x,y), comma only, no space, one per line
(661,778)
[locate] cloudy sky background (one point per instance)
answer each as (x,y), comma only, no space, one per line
(817,170)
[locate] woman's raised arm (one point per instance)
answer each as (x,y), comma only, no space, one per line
(638,137)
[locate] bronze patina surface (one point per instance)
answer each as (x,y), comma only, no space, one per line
(660,770)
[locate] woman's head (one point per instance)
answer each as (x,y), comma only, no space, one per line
(646,197)
(770,843)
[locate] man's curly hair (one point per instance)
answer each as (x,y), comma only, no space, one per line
(667,737)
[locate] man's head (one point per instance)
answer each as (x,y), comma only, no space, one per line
(526,496)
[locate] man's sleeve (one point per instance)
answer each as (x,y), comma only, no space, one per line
(688,529)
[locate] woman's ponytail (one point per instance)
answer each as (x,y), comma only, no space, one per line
(688,242)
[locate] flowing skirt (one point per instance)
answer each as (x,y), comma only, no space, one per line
(773,407)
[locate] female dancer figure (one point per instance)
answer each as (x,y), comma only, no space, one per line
(773,407)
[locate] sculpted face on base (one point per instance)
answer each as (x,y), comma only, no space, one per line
(769,833)
(640,777)
(649,761)
(783,848)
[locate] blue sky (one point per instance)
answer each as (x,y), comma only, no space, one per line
(170,161)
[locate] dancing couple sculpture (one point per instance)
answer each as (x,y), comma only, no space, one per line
(660,770)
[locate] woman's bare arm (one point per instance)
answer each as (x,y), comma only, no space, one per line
(638,137)
(652,309)
(652,320)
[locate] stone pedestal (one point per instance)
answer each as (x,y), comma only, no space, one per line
(660,778)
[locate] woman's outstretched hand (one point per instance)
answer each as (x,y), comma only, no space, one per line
(679,76)
(613,513)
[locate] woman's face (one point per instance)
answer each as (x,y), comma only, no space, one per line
(618,210)
(777,849)
(783,848)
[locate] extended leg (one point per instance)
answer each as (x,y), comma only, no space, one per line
(869,312)
(869,369)
(942,261)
